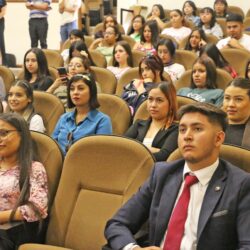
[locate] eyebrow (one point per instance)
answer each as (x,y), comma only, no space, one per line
(192,124)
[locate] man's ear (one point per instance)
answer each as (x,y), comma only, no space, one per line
(220,137)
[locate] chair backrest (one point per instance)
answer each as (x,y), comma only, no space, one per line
(105,78)
(237,58)
(1,107)
(223,78)
(88,40)
(248,13)
(142,113)
(126,78)
(185,57)
(136,57)
(223,24)
(246,23)
(8,77)
(129,40)
(176,44)
(238,156)
(49,107)
(117,109)
(100,173)
(50,155)
(98,58)
(54,58)
(235,9)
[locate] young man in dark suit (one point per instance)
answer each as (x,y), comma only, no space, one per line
(218,204)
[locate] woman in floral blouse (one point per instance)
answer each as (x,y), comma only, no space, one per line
(23,182)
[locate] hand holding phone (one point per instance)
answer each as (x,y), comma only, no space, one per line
(62,71)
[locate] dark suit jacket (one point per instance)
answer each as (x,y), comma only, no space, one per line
(224,221)
(165,139)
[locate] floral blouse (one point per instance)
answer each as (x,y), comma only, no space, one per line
(9,191)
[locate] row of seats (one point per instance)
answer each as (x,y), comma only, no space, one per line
(89,194)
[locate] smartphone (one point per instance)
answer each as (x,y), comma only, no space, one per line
(62,71)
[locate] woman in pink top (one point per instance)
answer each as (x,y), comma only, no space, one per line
(23,182)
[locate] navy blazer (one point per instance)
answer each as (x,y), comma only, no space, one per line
(224,221)
(165,139)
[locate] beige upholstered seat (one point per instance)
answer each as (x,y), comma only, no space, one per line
(98,58)
(171,38)
(142,113)
(49,107)
(126,78)
(8,77)
(238,156)
(137,57)
(237,58)
(223,24)
(100,173)
(129,40)
(185,57)
(54,58)
(53,73)
(99,27)
(223,78)
(246,23)
(105,78)
(118,111)
(235,9)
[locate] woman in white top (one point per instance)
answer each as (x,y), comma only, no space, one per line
(178,29)
(208,22)
(20,100)
(166,51)
(122,59)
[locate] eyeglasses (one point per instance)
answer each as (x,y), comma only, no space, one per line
(77,65)
(70,141)
(4,133)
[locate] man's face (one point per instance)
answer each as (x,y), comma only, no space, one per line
(199,140)
(235,29)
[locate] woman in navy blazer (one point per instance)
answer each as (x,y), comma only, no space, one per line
(159,133)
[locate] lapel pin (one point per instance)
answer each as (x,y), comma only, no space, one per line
(217,189)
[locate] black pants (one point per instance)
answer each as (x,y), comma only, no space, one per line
(2,44)
(38,29)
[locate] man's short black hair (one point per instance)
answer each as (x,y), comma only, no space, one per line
(234,17)
(214,114)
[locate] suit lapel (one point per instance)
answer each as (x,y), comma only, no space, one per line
(170,192)
(214,191)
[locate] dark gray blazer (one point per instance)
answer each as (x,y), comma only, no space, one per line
(224,222)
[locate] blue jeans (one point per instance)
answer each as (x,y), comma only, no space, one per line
(66,29)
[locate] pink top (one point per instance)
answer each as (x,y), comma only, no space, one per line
(9,191)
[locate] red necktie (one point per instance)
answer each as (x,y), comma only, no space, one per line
(178,218)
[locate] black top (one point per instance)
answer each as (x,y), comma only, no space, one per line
(234,134)
(42,84)
(165,139)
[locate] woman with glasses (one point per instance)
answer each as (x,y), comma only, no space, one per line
(106,44)
(20,100)
(159,133)
(24,187)
(151,73)
(36,70)
(236,104)
(135,28)
(85,119)
(77,65)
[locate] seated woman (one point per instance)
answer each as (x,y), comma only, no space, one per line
(220,8)
(108,21)
(20,101)
(178,30)
(247,74)
(189,10)
(151,73)
(24,187)
(149,38)
(203,83)
(75,35)
(106,44)
(36,70)
(159,133)
(85,119)
(208,22)
(122,59)
(214,53)
(157,13)
(237,106)
(196,40)
(79,48)
(77,65)
(135,28)
(166,51)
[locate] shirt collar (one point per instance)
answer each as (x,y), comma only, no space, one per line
(204,175)
(91,115)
